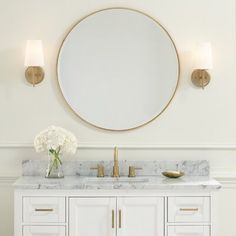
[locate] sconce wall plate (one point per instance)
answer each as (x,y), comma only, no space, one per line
(34,74)
(200,78)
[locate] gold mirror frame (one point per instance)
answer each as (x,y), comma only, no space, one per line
(162,27)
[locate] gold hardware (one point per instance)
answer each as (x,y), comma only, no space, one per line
(188,209)
(173,173)
(34,74)
(119,218)
(116,164)
(132,172)
(113,219)
(100,169)
(43,209)
(200,78)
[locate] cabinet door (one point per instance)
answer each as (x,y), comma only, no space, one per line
(92,216)
(140,216)
(44,230)
(188,230)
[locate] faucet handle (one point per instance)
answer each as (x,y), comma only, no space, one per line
(100,169)
(132,171)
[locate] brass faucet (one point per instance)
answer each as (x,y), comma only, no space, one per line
(116,164)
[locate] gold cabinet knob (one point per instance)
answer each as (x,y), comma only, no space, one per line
(100,170)
(132,171)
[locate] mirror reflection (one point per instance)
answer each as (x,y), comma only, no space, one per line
(118,69)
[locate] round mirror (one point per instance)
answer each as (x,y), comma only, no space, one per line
(118,69)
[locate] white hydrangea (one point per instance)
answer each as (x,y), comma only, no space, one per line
(56,138)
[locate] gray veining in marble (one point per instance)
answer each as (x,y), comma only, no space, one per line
(79,176)
(149,168)
(197,183)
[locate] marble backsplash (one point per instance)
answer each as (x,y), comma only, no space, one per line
(149,168)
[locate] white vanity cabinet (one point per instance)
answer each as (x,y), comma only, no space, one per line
(114,213)
(121,216)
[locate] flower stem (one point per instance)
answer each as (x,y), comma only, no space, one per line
(56,161)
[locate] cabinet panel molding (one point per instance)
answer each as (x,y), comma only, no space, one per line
(188,209)
(92,216)
(140,216)
(43,230)
(44,209)
(189,230)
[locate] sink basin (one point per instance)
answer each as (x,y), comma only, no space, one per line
(111,180)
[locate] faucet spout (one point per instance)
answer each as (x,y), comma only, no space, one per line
(116,164)
(115,154)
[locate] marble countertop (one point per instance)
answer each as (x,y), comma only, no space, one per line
(149,168)
(78,175)
(93,183)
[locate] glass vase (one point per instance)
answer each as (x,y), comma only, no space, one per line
(54,169)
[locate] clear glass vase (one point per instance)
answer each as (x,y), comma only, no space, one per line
(54,169)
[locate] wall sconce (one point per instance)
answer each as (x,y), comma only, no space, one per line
(34,61)
(202,63)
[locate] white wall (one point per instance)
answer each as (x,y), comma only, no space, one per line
(197,125)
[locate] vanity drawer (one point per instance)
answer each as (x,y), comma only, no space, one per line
(188,209)
(44,209)
(44,230)
(188,230)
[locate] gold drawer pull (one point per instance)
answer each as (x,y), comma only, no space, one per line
(188,209)
(113,219)
(119,218)
(43,209)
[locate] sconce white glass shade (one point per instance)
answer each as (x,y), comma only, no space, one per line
(203,57)
(34,53)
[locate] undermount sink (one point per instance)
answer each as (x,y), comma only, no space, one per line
(110,180)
